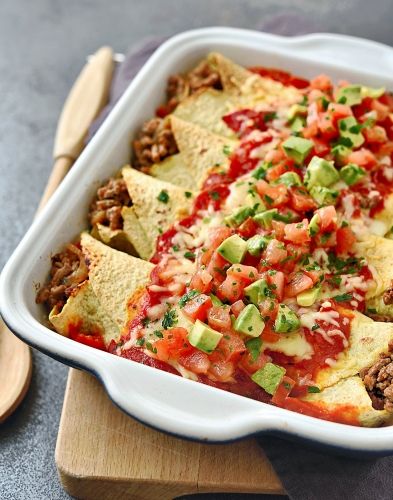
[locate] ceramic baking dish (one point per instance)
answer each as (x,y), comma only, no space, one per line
(159,399)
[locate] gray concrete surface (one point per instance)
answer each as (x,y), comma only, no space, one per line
(43,44)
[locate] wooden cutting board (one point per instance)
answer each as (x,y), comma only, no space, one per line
(101,453)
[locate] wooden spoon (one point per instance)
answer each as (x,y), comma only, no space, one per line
(88,96)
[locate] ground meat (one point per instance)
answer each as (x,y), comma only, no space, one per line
(68,270)
(154,142)
(378,380)
(388,295)
(106,207)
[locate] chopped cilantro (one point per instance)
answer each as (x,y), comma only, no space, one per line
(226,150)
(314,327)
(175,248)
(186,297)
(187,194)
(344,223)
(170,319)
(145,321)
(189,255)
(158,334)
(149,347)
(371,310)
(140,341)
(163,196)
(214,195)
(343,297)
(254,348)
(324,102)
(269,116)
(268,199)
(313,389)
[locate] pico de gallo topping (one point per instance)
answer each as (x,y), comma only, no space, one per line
(254,292)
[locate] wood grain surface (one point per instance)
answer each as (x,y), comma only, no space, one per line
(102,453)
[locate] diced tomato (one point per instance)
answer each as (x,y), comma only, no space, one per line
(314,275)
(275,252)
(273,196)
(274,156)
(217,267)
(273,173)
(231,345)
(362,157)
(381,109)
(297,232)
(198,307)
(219,318)
(301,201)
(345,240)
(237,307)
(251,365)
(327,126)
(217,235)
(269,335)
(200,284)
(321,146)
(298,282)
(231,289)
(283,391)
(297,251)
(338,111)
(279,229)
(196,361)
(375,134)
(246,273)
(247,228)
(321,82)
(221,370)
(326,240)
(173,344)
(276,281)
(328,218)
(268,308)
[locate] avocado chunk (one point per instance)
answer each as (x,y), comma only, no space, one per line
(265,218)
(238,216)
(287,321)
(352,173)
(298,124)
(340,153)
(320,172)
(308,297)
(254,201)
(256,292)
(324,196)
(260,171)
(295,110)
(314,225)
(350,95)
(269,377)
(250,321)
(257,244)
(350,129)
(203,337)
(289,179)
(215,300)
(233,249)
(297,148)
(372,92)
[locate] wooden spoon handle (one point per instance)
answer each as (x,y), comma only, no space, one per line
(60,169)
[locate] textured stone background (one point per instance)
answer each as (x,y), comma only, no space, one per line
(43,45)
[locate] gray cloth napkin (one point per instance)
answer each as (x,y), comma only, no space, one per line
(306,474)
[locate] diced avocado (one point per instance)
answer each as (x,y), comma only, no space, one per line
(260,171)
(324,196)
(350,95)
(289,179)
(350,129)
(308,297)
(269,377)
(257,244)
(352,173)
(238,216)
(265,219)
(314,225)
(296,110)
(250,321)
(340,153)
(297,148)
(372,92)
(320,172)
(298,124)
(287,320)
(233,249)
(215,300)
(203,337)
(254,201)
(256,292)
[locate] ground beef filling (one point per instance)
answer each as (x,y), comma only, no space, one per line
(106,208)
(68,270)
(154,143)
(378,380)
(388,295)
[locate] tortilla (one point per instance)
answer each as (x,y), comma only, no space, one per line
(350,392)
(201,150)
(155,216)
(134,232)
(114,277)
(84,311)
(174,169)
(249,87)
(115,238)
(206,108)
(368,339)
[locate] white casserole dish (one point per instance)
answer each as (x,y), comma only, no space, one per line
(159,399)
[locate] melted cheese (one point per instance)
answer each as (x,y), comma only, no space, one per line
(292,345)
